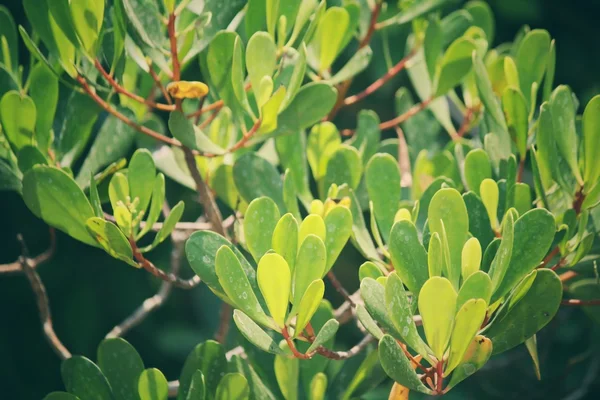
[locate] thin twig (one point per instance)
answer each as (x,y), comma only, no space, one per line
(403,160)
(159,273)
(224,323)
(339,287)
(578,302)
(28,266)
(373,87)
(156,301)
(217,105)
(343,355)
(16,267)
(159,84)
(120,89)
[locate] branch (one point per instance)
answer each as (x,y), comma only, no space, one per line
(373,87)
(339,287)
(577,302)
(343,355)
(159,273)
(403,160)
(156,301)
(224,322)
(16,267)
(28,266)
(120,89)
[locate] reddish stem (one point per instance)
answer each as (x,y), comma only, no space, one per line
(173,43)
(521,169)
(577,302)
(292,346)
(339,287)
(549,257)
(372,88)
(440,376)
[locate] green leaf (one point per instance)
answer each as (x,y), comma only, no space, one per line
(382,176)
(471,257)
(236,285)
(113,141)
(515,110)
(368,322)
(357,64)
(254,333)
(501,261)
(53,196)
(447,210)
(274,280)
(290,196)
(531,60)
(433,45)
(415,10)
(168,225)
(121,365)
(454,66)
(408,256)
(255,177)
(476,286)
(547,153)
(87,19)
(285,239)
(270,110)
(479,222)
(437,304)
(144,17)
(287,372)
(61,396)
(153,385)
(530,314)
(338,222)
(467,322)
(313,224)
(483,17)
(399,306)
(310,265)
(291,150)
(476,356)
(531,345)
(260,220)
(111,239)
(563,119)
(18,116)
(308,304)
(435,256)
(208,357)
(326,333)
(330,35)
(8,31)
(360,234)
(84,379)
(591,141)
(261,59)
(43,89)
(158,197)
(344,166)
(233,386)
(397,366)
(369,270)
(323,141)
(80,115)
(490,195)
(140,174)
(367,137)
(28,157)
(190,135)
(197,389)
(533,235)
(318,386)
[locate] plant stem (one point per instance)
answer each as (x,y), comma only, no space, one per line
(292,346)
(224,322)
(343,355)
(577,302)
(373,87)
(16,267)
(339,287)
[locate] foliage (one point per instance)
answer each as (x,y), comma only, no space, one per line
(467,245)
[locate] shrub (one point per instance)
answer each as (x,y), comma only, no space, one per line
(467,227)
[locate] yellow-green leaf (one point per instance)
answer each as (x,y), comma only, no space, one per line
(274,280)
(466,325)
(437,304)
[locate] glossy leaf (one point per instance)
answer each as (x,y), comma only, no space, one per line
(309,303)
(467,323)
(169,224)
(44,92)
(197,389)
(397,366)
(310,265)
(254,333)
(338,223)
(84,379)
(537,307)
(477,168)
(18,116)
(54,196)
(285,239)
(382,176)
(111,239)
(408,256)
(563,119)
(471,257)
(454,66)
(121,365)
(476,356)
(236,285)
(140,174)
(233,386)
(447,210)
(515,110)
(153,385)
(501,261)
(255,177)
(437,304)
(260,220)
(274,280)
(208,357)
(531,59)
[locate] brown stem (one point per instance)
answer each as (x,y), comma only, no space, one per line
(567,276)
(159,84)
(440,377)
(339,287)
(577,302)
(106,107)
(28,266)
(578,200)
(159,273)
(292,346)
(549,257)
(120,89)
(156,301)
(224,322)
(467,120)
(16,267)
(343,355)
(210,119)
(173,43)
(521,169)
(217,105)
(373,87)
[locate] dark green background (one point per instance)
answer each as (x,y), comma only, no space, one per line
(91,292)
